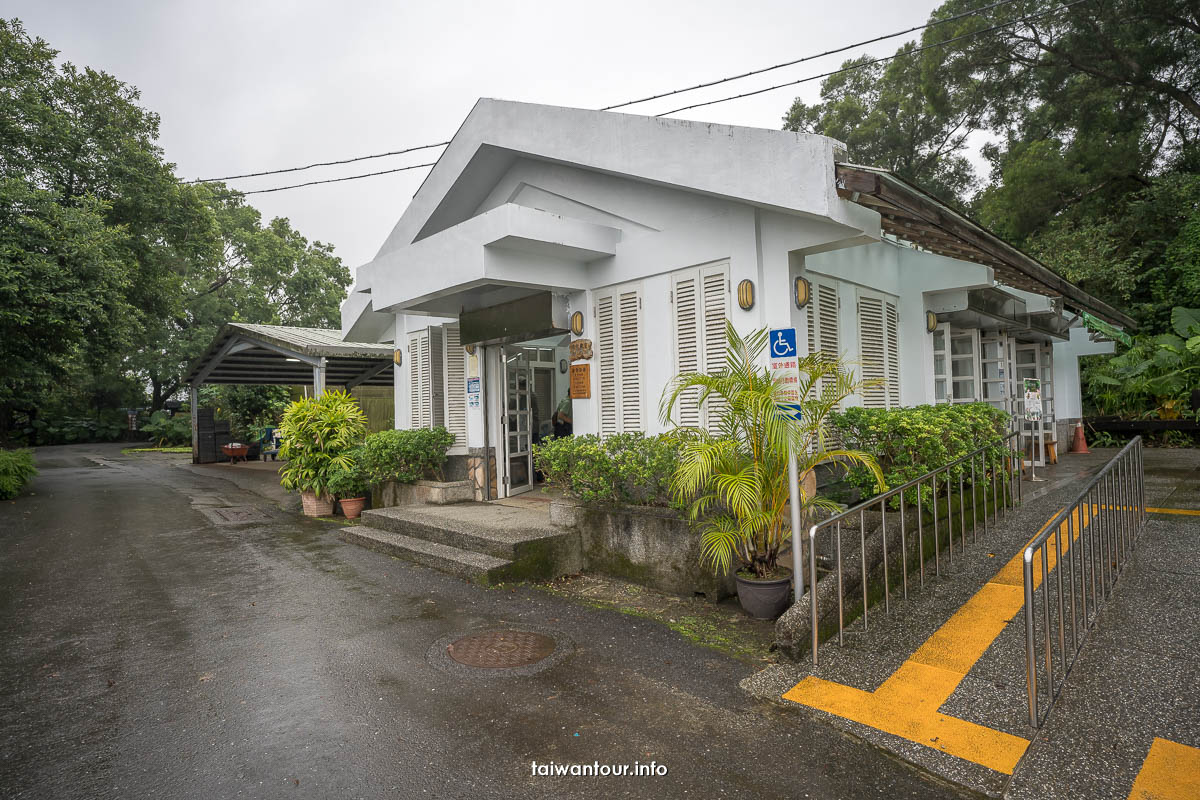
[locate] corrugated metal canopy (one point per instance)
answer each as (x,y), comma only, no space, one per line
(912,214)
(279,354)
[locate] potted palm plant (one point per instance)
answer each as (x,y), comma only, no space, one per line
(733,479)
(349,485)
(319,434)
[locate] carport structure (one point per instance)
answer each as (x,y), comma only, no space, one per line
(243,353)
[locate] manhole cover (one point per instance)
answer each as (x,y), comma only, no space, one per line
(501,649)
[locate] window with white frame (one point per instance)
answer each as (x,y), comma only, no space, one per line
(700,304)
(821,320)
(879,349)
(619,360)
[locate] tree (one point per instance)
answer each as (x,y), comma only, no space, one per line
(111,269)
(886,118)
(247,272)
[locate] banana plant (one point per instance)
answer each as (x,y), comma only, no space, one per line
(733,481)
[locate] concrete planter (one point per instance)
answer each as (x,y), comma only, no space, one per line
(437,493)
(649,546)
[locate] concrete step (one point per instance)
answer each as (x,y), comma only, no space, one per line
(492,530)
(523,538)
(475,567)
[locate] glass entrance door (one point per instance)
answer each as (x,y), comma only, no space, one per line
(518,420)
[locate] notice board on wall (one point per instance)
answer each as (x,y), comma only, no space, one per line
(581,381)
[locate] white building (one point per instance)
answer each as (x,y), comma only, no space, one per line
(646,233)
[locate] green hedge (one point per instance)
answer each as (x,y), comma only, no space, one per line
(16,470)
(626,469)
(908,442)
(404,456)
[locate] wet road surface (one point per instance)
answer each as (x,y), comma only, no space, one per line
(149,651)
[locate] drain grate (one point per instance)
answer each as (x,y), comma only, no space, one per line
(501,649)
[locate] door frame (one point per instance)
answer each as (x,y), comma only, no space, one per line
(505,437)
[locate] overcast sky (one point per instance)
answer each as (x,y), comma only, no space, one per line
(254,85)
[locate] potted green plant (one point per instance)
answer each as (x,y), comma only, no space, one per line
(318,436)
(349,485)
(733,479)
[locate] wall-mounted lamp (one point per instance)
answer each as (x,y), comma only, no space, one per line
(802,291)
(398,357)
(577,323)
(746,295)
(931,322)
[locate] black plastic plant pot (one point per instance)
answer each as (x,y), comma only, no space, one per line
(764,599)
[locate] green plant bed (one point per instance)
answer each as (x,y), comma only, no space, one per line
(129,450)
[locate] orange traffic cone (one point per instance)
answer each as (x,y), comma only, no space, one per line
(1079,443)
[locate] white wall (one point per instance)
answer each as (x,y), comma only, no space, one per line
(906,274)
(1067,401)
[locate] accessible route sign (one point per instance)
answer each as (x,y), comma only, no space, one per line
(785,367)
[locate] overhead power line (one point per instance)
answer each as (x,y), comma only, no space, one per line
(874,61)
(671,93)
(319,164)
(850,68)
(885,37)
(337,180)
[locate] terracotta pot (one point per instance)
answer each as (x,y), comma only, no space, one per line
(316,506)
(764,599)
(352,506)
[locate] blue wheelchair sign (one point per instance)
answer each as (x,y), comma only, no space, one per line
(783,343)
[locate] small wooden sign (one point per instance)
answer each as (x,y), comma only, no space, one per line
(581,381)
(581,349)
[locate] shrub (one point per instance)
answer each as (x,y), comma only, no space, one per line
(349,480)
(908,442)
(16,470)
(405,456)
(626,469)
(167,431)
(318,435)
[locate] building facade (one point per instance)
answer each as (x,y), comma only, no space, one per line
(554,249)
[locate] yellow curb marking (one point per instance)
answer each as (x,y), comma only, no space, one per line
(1171,771)
(1191,512)
(907,703)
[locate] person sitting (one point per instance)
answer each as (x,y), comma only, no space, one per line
(563,424)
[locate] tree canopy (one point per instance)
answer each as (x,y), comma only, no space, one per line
(1090,117)
(114,274)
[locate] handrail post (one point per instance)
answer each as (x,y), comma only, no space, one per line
(812,590)
(1030,648)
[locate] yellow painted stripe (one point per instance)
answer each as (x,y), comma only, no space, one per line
(1191,512)
(1171,771)
(907,703)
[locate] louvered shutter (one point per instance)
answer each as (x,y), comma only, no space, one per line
(456,391)
(420,400)
(715,288)
(606,343)
(629,354)
(892,342)
(437,377)
(872,351)
(618,340)
(687,343)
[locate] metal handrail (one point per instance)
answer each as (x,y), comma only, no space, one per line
(1105,519)
(1005,493)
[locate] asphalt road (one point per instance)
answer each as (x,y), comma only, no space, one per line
(150,652)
